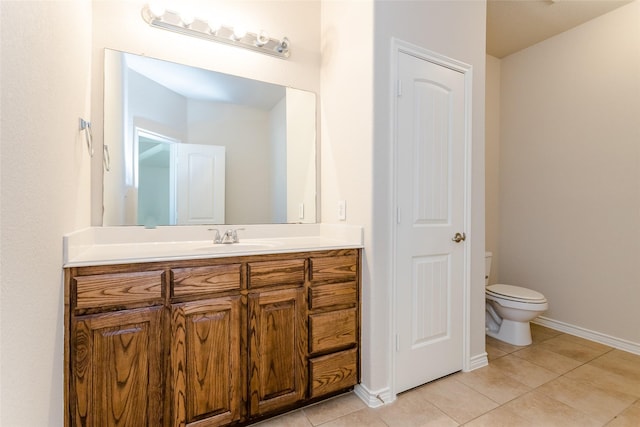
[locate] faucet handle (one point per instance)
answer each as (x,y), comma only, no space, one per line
(234,234)
(216,238)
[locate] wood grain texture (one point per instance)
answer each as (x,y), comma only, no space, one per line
(117,369)
(333,294)
(341,268)
(332,330)
(277,349)
(118,289)
(333,372)
(269,273)
(205,362)
(205,280)
(228,341)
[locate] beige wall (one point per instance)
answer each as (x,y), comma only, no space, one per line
(45,88)
(492,163)
(570,173)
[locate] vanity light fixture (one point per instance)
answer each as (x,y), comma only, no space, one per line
(189,25)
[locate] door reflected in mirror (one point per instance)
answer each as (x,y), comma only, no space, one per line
(193,146)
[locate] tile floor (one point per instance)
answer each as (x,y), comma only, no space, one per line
(560,380)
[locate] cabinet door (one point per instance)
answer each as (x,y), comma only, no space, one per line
(277,347)
(205,362)
(116,365)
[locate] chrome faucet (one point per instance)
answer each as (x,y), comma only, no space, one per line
(229,236)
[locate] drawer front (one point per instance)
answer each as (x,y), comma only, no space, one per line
(334,268)
(333,295)
(332,330)
(205,280)
(109,290)
(270,273)
(333,372)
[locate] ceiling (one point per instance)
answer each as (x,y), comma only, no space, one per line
(513,25)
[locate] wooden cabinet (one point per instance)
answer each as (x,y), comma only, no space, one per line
(209,342)
(116,363)
(277,349)
(334,323)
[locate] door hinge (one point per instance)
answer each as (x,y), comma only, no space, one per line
(399,88)
(397,342)
(397,215)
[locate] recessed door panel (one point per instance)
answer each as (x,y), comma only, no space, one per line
(430,190)
(430,310)
(431,148)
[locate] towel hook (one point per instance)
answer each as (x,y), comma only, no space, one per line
(88,136)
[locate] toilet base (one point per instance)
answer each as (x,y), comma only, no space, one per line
(515,333)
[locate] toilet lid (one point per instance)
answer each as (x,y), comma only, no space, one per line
(516,292)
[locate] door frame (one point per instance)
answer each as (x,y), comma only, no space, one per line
(397,47)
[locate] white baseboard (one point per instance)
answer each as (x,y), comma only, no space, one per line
(374,399)
(477,361)
(601,338)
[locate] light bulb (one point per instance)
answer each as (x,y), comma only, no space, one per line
(156,10)
(239,33)
(283,47)
(213,26)
(262,38)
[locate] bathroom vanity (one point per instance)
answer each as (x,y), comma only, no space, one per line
(228,337)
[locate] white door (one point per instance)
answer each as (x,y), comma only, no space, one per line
(200,181)
(430,178)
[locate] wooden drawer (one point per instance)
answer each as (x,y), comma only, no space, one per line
(205,280)
(334,294)
(270,273)
(334,268)
(333,372)
(118,289)
(332,330)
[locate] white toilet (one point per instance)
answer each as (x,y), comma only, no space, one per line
(510,308)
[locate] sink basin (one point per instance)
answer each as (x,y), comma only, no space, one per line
(255,245)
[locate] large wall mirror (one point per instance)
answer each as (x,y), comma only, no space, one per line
(185,145)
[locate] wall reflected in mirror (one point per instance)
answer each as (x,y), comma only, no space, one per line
(193,146)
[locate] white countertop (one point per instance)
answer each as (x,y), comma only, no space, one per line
(116,245)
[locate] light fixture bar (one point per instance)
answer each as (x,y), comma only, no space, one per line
(169,20)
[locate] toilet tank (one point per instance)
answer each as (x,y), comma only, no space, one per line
(487,267)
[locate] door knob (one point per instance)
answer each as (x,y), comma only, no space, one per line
(459,237)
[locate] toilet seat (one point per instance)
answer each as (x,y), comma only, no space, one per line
(516,294)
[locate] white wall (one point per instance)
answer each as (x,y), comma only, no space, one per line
(301,156)
(45,87)
(570,173)
(356,146)
(244,132)
(492,163)
(278,143)
(347,151)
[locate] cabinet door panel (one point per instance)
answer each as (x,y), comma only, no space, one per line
(332,295)
(118,289)
(333,372)
(117,361)
(203,280)
(333,330)
(206,362)
(269,273)
(334,268)
(277,345)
